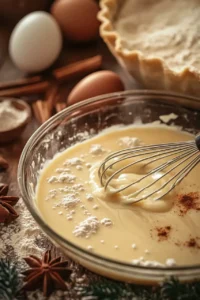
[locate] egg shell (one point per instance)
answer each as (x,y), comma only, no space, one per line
(35,42)
(95,84)
(77,19)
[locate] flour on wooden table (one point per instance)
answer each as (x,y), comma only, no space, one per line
(21,235)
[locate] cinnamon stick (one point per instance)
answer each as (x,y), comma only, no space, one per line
(41,111)
(19,82)
(33,85)
(59,106)
(31,89)
(51,97)
(79,68)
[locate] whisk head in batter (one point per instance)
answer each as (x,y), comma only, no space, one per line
(166,164)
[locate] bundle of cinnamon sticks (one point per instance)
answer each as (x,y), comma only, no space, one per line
(50,87)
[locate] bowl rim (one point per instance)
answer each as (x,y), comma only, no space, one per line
(73,248)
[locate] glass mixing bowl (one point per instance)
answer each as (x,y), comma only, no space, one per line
(80,122)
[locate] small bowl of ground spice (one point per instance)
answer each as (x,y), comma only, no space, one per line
(15,114)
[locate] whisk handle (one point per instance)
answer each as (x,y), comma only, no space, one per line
(197,140)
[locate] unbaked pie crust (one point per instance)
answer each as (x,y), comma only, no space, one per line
(158,42)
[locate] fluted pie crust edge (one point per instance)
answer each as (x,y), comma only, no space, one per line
(153,73)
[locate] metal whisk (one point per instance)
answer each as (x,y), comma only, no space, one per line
(179,159)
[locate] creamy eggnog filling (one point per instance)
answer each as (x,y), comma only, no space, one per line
(163,29)
(72,202)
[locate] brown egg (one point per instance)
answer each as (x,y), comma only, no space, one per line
(77,19)
(97,83)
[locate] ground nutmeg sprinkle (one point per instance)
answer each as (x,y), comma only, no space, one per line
(187,202)
(163,232)
(192,243)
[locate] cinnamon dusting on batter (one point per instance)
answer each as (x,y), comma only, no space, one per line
(163,232)
(192,243)
(187,202)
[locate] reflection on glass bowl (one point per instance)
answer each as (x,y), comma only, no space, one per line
(81,121)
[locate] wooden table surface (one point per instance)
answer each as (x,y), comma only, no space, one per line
(8,71)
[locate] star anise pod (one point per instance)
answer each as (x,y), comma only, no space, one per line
(3,163)
(46,273)
(7,212)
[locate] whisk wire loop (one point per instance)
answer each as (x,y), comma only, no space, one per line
(183,153)
(160,168)
(133,152)
(103,168)
(148,174)
(163,185)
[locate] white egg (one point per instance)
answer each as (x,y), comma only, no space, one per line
(35,42)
